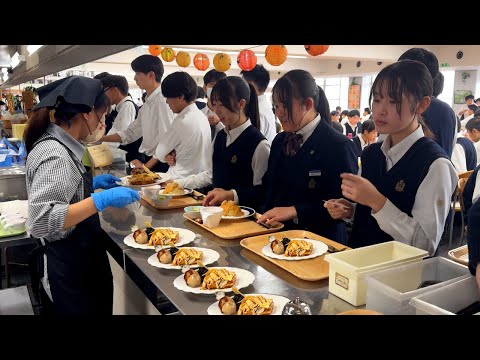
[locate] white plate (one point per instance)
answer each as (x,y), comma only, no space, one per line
(278,304)
(247,212)
(209,257)
(186,236)
(319,248)
(244,278)
(186,191)
(163,177)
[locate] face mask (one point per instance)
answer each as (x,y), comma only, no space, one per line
(209,92)
(96,135)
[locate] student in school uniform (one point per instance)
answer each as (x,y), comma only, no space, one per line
(71,264)
(240,152)
(473,241)
(306,160)
(366,137)
(335,122)
(154,117)
(405,184)
(353,125)
(209,81)
(471,191)
(189,134)
(473,133)
(464,155)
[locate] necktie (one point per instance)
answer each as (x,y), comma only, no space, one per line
(292,144)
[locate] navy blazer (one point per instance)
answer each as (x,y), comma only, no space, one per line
(309,177)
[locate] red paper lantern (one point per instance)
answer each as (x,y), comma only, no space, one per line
(276,54)
(201,62)
(154,50)
(246,60)
(315,50)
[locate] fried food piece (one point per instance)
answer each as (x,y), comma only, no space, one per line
(219,279)
(187,257)
(142,179)
(163,236)
(230,208)
(136,171)
(255,305)
(298,248)
(174,189)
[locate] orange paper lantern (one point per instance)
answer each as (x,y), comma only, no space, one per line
(222,62)
(154,50)
(201,62)
(183,59)
(168,54)
(246,60)
(276,54)
(315,50)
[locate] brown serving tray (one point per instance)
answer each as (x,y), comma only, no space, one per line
(178,202)
(459,255)
(236,229)
(310,270)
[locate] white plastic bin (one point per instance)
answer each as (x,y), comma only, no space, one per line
(449,299)
(389,291)
(348,269)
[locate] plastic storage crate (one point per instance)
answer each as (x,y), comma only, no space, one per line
(348,269)
(389,291)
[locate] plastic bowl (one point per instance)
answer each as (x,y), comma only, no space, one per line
(193,212)
(161,200)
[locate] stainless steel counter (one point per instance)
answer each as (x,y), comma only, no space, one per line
(157,284)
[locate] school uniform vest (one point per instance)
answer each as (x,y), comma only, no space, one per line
(358,144)
(399,185)
(468,191)
(470,152)
(350,130)
(473,237)
(232,165)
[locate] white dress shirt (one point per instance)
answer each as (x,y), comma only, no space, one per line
(465,120)
(476,191)
(153,123)
(189,135)
(458,158)
(308,129)
(126,115)
(267,118)
(259,162)
(477,147)
(432,202)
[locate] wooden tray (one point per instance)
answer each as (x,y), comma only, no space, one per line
(236,229)
(311,269)
(178,202)
(459,255)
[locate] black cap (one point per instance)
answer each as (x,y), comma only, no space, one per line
(71,94)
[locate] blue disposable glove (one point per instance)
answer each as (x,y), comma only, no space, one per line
(116,197)
(104,181)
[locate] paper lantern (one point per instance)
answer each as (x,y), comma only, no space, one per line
(222,62)
(276,54)
(201,62)
(246,60)
(315,50)
(168,54)
(154,50)
(183,59)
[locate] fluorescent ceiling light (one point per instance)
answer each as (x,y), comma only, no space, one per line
(209,51)
(16,59)
(32,48)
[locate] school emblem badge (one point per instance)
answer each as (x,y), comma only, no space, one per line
(311,184)
(234,159)
(400,186)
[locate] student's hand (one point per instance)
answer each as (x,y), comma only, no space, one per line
(170,158)
(216,196)
(105,181)
(362,191)
(339,208)
(137,163)
(116,197)
(460,113)
(213,119)
(278,214)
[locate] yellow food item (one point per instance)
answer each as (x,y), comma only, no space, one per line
(174,189)
(142,179)
(219,279)
(298,248)
(187,257)
(255,305)
(230,208)
(163,236)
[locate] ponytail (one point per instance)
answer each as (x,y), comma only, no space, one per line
(251,109)
(426,130)
(322,106)
(36,127)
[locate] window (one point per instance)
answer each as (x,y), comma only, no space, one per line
(447,93)
(336,91)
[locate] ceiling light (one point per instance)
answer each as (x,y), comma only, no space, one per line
(32,48)
(16,59)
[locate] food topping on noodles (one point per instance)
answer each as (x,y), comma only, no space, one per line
(174,189)
(187,256)
(255,305)
(218,279)
(298,248)
(163,236)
